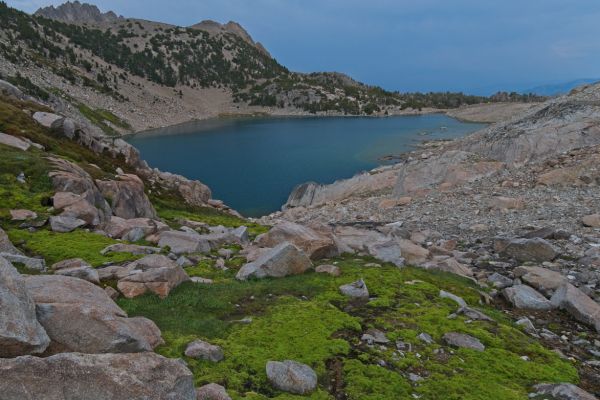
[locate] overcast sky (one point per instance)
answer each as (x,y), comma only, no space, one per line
(476,46)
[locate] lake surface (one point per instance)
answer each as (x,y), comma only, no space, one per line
(253,164)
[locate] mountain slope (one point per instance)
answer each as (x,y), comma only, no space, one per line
(145,74)
(559,88)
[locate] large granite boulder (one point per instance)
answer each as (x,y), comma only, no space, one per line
(65,224)
(212,391)
(6,245)
(14,142)
(154,273)
(200,349)
(121,228)
(292,377)
(561,391)
(76,376)
(127,197)
(313,243)
(77,268)
(79,316)
(283,260)
(387,251)
(462,340)
(578,304)
(20,331)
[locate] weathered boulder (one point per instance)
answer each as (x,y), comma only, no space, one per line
(74,376)
(79,316)
(212,391)
(283,260)
(578,304)
(292,377)
(350,239)
(154,273)
(36,264)
(15,142)
(130,248)
(500,281)
(592,221)
(388,251)
(542,279)
(71,178)
(448,264)
(120,228)
(20,331)
(6,245)
(200,349)
(219,236)
(46,119)
(462,340)
(562,391)
(523,296)
(184,242)
(328,269)
(64,224)
(313,243)
(413,253)
(127,196)
(355,290)
(22,215)
(82,210)
(77,269)
(61,200)
(536,249)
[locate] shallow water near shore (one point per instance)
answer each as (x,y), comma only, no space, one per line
(253,164)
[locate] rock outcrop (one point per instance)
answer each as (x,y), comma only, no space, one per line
(293,377)
(127,197)
(72,376)
(20,331)
(283,260)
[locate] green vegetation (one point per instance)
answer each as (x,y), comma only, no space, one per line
(55,247)
(305,318)
(103,119)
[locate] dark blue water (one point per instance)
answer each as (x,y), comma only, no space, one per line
(253,164)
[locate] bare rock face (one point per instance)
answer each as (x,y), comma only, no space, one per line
(212,391)
(154,273)
(74,376)
(127,197)
(523,296)
(20,331)
(76,12)
(292,377)
(578,304)
(447,170)
(313,243)
(79,316)
(283,260)
(387,251)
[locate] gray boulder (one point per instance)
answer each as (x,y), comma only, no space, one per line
(79,316)
(562,391)
(328,269)
(536,249)
(523,296)
(387,251)
(36,264)
(315,244)
(64,224)
(500,281)
(578,304)
(14,141)
(292,377)
(283,260)
(75,376)
(130,248)
(212,391)
(128,199)
(20,331)
(6,245)
(200,349)
(356,290)
(543,279)
(184,242)
(85,272)
(462,340)
(155,273)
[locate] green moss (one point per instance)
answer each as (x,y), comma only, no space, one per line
(305,318)
(372,382)
(55,247)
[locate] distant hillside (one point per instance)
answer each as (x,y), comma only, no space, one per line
(559,88)
(145,74)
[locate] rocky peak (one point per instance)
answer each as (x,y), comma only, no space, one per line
(76,12)
(214,27)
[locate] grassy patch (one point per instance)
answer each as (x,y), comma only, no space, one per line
(104,119)
(55,247)
(305,318)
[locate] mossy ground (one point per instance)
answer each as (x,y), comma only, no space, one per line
(55,247)
(305,318)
